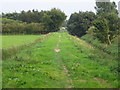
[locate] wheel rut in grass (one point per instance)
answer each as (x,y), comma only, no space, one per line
(65,70)
(69,80)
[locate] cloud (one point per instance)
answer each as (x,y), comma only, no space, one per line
(42,1)
(54,1)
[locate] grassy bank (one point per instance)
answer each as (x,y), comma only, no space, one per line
(110,49)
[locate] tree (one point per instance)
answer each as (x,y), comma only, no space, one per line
(79,23)
(107,29)
(10,26)
(113,23)
(106,7)
(57,17)
(53,19)
(102,31)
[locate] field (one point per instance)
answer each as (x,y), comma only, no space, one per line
(17,40)
(59,60)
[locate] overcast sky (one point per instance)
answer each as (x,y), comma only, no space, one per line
(68,6)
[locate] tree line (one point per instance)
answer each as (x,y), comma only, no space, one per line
(32,22)
(104,25)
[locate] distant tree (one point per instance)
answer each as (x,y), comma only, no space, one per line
(106,7)
(64,23)
(14,15)
(10,21)
(79,23)
(10,26)
(57,17)
(53,19)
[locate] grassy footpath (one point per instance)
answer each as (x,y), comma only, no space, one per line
(76,65)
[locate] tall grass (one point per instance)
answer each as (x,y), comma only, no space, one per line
(110,49)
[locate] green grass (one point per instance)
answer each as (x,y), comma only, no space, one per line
(77,65)
(17,40)
(111,49)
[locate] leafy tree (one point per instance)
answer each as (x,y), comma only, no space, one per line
(102,31)
(10,26)
(113,23)
(10,21)
(79,23)
(54,19)
(106,7)
(14,15)
(108,28)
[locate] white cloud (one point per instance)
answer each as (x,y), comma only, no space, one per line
(44,1)
(10,1)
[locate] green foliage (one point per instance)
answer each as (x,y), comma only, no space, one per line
(113,23)
(10,21)
(102,31)
(50,21)
(35,28)
(53,19)
(106,7)
(107,22)
(10,26)
(110,49)
(79,23)
(108,27)
(91,30)
(28,16)
(104,26)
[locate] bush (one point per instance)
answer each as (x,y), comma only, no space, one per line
(110,49)
(17,27)
(79,23)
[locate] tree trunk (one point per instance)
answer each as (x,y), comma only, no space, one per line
(108,37)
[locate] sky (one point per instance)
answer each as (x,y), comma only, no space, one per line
(67,6)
